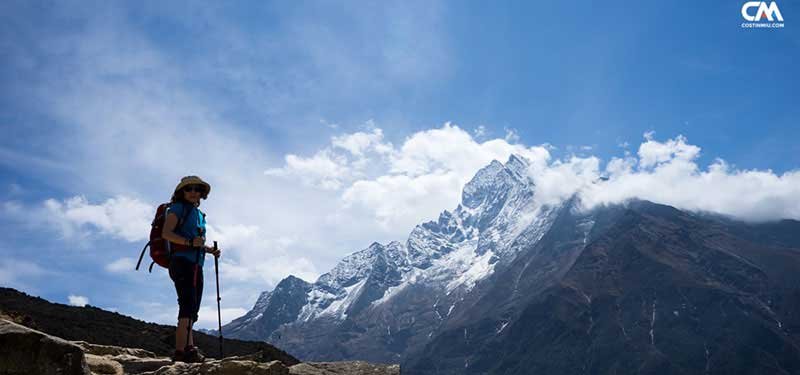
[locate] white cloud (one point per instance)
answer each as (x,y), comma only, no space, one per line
(348,158)
(561,179)
(360,142)
(323,169)
(257,258)
(652,152)
(123,265)
(120,217)
(426,172)
(401,200)
(667,172)
(207,316)
(75,300)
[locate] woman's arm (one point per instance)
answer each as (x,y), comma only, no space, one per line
(168,233)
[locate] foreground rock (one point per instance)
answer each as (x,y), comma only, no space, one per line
(107,359)
(28,351)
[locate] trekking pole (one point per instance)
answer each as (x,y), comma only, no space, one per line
(219,310)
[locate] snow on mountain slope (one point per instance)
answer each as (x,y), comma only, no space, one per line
(328,304)
(335,292)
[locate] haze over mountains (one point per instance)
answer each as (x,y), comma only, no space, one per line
(508,283)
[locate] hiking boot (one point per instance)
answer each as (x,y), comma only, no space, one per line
(192,355)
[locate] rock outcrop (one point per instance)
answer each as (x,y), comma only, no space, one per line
(28,351)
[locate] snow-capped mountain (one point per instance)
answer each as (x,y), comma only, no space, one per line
(503,284)
(496,218)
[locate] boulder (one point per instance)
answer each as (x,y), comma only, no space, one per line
(28,351)
(101,365)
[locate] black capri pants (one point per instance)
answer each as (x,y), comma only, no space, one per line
(188,286)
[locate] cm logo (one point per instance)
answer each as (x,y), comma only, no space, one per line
(762,12)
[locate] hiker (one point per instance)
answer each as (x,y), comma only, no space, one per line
(188,247)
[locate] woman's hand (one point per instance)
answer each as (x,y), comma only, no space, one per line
(211,250)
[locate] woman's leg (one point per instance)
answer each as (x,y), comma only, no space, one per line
(180,334)
(181,273)
(198,297)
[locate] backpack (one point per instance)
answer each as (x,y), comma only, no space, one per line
(161,249)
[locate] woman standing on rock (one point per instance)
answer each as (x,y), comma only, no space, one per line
(185,229)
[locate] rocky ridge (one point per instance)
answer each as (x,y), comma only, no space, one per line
(28,351)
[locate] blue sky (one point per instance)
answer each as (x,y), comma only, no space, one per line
(104,106)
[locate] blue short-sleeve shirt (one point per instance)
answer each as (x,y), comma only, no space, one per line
(195,220)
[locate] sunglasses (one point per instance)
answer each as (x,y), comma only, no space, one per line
(192,188)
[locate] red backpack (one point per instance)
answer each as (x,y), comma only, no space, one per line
(159,247)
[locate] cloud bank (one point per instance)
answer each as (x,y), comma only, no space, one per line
(668,172)
(403,185)
(121,217)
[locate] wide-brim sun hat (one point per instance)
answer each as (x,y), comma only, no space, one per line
(194,180)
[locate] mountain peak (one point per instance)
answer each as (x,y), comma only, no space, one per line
(518,165)
(484,183)
(290,280)
(492,183)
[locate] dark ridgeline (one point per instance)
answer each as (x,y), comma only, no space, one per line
(103,327)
